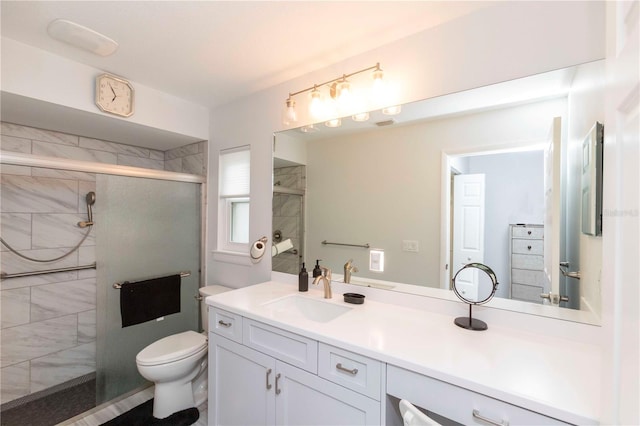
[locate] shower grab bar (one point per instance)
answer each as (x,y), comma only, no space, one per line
(325,242)
(118,286)
(5,276)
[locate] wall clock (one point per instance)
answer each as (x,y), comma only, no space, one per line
(114,95)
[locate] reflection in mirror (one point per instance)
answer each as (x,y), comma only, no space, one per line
(390,184)
(474,284)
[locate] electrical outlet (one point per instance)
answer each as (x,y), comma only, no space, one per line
(410,245)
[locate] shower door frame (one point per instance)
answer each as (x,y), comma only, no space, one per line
(30,160)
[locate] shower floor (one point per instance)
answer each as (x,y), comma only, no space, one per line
(54,408)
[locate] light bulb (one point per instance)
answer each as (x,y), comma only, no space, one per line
(336,122)
(345,96)
(290,116)
(392,110)
(363,116)
(379,90)
(315,106)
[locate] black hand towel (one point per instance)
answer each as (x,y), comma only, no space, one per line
(143,301)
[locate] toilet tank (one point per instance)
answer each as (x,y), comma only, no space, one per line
(209,290)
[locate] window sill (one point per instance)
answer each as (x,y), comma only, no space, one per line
(232,257)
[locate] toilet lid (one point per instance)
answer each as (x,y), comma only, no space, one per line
(172,348)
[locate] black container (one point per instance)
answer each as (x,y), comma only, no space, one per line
(355,298)
(303,279)
(317,271)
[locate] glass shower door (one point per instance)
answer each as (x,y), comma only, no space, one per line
(145,228)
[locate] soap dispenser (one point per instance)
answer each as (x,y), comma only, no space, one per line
(303,279)
(317,271)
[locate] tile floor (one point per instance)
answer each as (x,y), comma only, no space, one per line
(110,410)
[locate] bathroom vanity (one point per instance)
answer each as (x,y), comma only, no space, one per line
(277,356)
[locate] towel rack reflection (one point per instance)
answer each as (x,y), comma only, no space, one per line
(118,286)
(5,276)
(325,242)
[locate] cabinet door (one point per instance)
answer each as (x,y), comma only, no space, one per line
(241,384)
(306,399)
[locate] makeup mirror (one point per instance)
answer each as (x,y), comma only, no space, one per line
(474,284)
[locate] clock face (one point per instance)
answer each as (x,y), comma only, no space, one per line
(114,95)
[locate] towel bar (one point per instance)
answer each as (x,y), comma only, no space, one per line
(325,242)
(5,276)
(118,286)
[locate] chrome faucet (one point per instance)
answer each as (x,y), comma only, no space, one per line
(326,279)
(348,269)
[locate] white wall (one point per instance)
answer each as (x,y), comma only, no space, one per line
(37,74)
(514,193)
(509,40)
(586,106)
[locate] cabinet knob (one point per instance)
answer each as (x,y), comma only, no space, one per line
(529,232)
(528,247)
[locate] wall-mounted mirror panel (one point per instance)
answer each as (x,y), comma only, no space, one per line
(490,175)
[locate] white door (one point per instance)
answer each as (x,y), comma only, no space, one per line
(621,220)
(241,385)
(468,230)
(306,399)
(553,209)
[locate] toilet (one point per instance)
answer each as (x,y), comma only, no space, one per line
(177,364)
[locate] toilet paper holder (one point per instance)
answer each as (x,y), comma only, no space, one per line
(258,249)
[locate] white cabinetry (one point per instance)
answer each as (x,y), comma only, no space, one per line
(459,404)
(270,378)
(527,262)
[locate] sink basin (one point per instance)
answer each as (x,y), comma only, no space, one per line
(311,309)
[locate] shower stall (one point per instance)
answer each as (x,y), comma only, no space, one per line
(94,225)
(288,217)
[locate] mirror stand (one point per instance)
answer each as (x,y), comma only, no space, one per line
(470,323)
(475,289)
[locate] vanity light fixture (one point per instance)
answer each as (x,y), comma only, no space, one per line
(82,37)
(340,90)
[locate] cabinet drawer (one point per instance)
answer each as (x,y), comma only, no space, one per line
(527,246)
(291,348)
(350,370)
(225,324)
(527,277)
(535,232)
(527,293)
(456,403)
(527,261)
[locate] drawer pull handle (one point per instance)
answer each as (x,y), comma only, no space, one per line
(346,370)
(268,384)
(278,390)
(224,324)
(477,415)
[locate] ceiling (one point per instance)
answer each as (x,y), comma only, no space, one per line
(213,52)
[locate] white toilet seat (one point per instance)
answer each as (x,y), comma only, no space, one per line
(172,348)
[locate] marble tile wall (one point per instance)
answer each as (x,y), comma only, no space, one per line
(288,217)
(48,321)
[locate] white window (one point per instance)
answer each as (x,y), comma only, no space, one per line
(233,226)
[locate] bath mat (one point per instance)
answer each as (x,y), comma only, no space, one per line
(142,415)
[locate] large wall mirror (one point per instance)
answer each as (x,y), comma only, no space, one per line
(490,175)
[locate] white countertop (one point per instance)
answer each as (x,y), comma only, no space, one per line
(552,376)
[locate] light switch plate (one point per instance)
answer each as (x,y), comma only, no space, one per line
(410,245)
